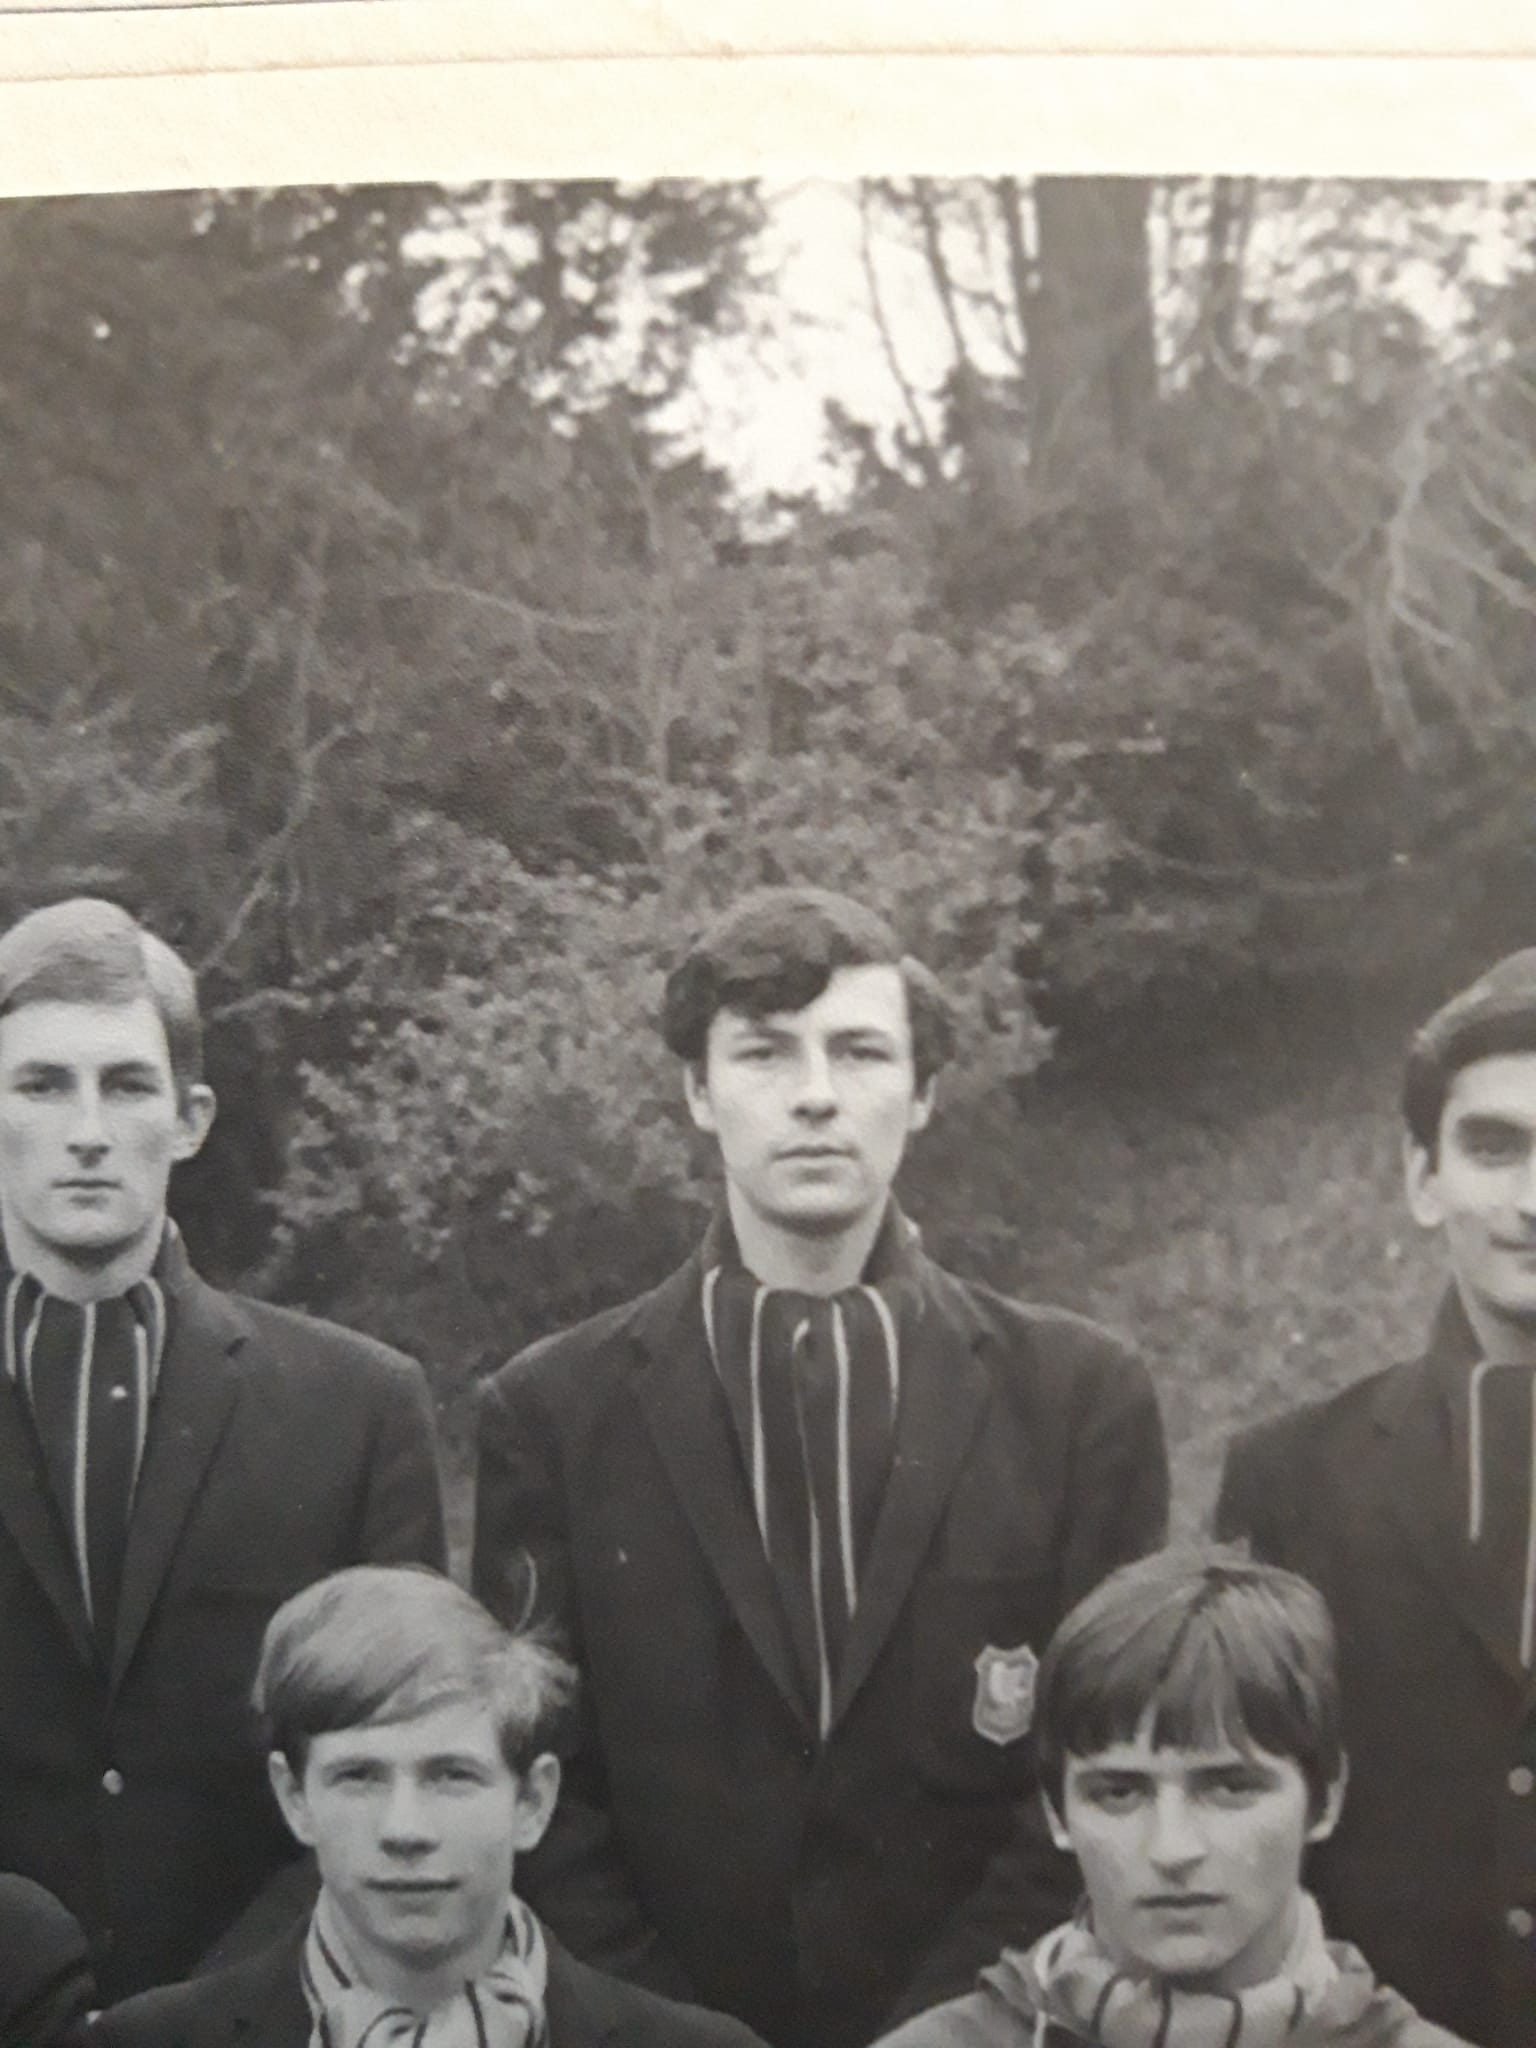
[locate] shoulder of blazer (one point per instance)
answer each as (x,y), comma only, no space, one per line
(291,1332)
(611,1336)
(1333,1426)
(1025,1336)
(586,2006)
(218,2007)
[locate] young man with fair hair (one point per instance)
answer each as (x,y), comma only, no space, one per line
(1187,1729)
(174,1461)
(410,1751)
(1409,1498)
(805,1515)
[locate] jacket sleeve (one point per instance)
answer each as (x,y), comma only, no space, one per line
(576,1879)
(1119,1511)
(402,1518)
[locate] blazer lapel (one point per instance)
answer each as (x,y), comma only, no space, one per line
(1428,1497)
(690,1425)
(193,1400)
(28,1512)
(942,1392)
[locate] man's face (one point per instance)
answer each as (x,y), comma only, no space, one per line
(1191,1859)
(415,1825)
(90,1126)
(813,1107)
(1480,1188)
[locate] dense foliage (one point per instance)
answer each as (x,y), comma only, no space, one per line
(366,626)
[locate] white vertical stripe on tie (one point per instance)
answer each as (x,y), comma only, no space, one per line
(82,1431)
(844,1459)
(12,1364)
(29,1345)
(1528,1595)
(755,1396)
(823,1668)
(892,1349)
(141,1353)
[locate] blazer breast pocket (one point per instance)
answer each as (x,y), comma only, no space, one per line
(976,1648)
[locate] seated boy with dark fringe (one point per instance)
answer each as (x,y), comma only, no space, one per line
(1187,1738)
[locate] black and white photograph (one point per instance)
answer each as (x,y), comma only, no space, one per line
(768,1112)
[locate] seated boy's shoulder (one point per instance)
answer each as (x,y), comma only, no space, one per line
(977,2020)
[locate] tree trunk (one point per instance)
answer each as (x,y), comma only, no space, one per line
(1092,367)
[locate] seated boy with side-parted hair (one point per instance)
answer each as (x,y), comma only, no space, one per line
(410,1748)
(1187,1738)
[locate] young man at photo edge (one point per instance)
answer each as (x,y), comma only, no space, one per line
(1409,1499)
(806,1514)
(174,1462)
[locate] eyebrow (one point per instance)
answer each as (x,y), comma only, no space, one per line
(1482,1123)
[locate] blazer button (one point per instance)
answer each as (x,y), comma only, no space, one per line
(1520,1922)
(1522,1781)
(112,1781)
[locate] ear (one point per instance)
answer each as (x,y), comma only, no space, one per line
(1421,1181)
(537,1791)
(1056,1824)
(194,1118)
(1333,1806)
(289,1791)
(922,1106)
(696,1092)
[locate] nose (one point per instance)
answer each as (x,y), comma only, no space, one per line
(1176,1841)
(815,1096)
(1525,1191)
(405,1824)
(88,1136)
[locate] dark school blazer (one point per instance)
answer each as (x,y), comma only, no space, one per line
(279,1449)
(1432,1871)
(260,2004)
(708,1839)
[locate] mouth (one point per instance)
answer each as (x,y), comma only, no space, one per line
(1179,1902)
(413,1887)
(88,1187)
(815,1152)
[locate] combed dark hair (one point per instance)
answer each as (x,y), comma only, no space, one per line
(1221,1650)
(776,950)
(86,950)
(379,1643)
(1497,1014)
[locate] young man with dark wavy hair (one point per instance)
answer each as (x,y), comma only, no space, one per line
(1187,1729)
(174,1461)
(1409,1498)
(805,1514)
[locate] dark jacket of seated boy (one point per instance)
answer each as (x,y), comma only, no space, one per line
(1187,1737)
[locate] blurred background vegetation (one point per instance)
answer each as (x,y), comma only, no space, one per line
(381,619)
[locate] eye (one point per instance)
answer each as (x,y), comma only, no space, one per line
(1114,1795)
(1239,1786)
(872,1055)
(1492,1142)
(39,1085)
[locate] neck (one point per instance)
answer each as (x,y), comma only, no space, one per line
(1501,1338)
(421,1983)
(823,1263)
(77,1274)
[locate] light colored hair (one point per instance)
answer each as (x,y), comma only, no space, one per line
(86,950)
(381,1643)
